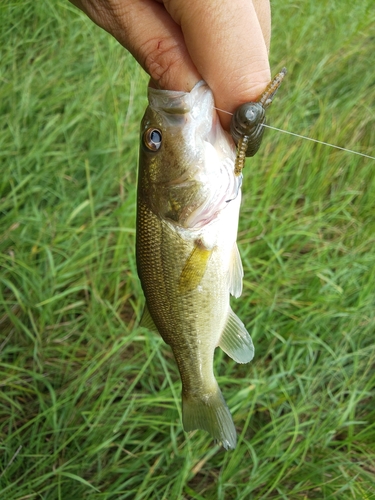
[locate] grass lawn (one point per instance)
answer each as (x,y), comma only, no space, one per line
(90,404)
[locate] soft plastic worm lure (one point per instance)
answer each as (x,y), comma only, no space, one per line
(247,123)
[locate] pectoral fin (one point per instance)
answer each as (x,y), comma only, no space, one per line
(235,273)
(235,340)
(194,268)
(147,321)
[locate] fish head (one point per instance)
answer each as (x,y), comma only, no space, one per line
(186,163)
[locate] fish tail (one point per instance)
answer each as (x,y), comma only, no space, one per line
(209,413)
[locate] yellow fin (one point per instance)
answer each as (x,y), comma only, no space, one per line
(194,268)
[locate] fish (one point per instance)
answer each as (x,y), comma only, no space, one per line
(188,203)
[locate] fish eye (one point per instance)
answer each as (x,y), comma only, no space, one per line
(152,139)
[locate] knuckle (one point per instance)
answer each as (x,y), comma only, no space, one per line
(162,61)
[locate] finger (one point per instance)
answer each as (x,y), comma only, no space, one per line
(145,28)
(263,11)
(225,40)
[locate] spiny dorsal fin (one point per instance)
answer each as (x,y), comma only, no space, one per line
(235,273)
(235,340)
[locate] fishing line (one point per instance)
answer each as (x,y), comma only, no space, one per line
(319,142)
(308,138)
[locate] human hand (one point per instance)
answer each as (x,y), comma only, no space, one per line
(179,42)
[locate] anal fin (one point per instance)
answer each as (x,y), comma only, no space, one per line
(236,341)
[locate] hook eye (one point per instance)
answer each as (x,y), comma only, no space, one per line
(152,139)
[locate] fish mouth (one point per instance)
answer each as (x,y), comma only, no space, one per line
(175,102)
(190,115)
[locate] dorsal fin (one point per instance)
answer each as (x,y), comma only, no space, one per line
(147,321)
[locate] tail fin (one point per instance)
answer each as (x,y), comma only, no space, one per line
(210,413)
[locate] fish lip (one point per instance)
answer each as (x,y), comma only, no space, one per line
(174,102)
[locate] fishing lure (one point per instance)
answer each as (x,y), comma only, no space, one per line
(247,124)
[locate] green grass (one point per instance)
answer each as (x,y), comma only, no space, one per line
(89,404)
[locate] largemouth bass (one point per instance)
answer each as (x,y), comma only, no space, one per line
(187,257)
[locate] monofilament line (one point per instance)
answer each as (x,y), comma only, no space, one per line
(308,138)
(223,111)
(319,142)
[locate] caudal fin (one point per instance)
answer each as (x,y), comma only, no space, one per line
(210,413)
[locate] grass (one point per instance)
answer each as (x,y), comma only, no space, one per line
(89,404)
